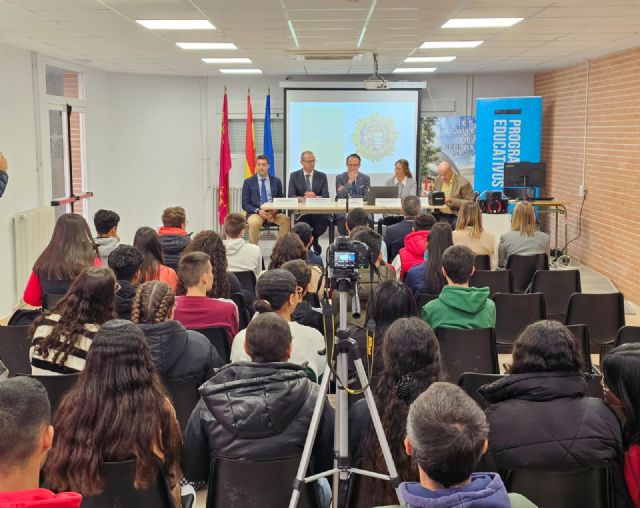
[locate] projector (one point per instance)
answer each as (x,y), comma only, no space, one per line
(376,84)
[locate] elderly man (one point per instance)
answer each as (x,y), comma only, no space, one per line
(457,190)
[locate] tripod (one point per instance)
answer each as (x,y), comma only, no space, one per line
(342,468)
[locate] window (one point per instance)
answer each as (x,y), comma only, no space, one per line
(64,83)
(237,130)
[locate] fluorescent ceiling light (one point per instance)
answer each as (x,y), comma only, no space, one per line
(419,59)
(226,60)
(481,22)
(450,44)
(176,24)
(240,71)
(413,70)
(206,45)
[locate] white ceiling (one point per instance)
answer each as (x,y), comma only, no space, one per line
(104,34)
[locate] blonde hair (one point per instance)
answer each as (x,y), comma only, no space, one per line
(524,219)
(470,216)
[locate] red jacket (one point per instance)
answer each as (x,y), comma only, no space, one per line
(632,473)
(39,498)
(415,244)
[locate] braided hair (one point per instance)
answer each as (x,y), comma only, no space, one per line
(153,303)
(273,290)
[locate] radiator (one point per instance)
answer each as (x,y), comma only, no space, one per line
(235,205)
(31,234)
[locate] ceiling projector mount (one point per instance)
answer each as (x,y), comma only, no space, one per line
(376,82)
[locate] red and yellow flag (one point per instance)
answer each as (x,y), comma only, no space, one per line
(225,163)
(249,145)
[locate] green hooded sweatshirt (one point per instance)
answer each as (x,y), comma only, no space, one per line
(459,307)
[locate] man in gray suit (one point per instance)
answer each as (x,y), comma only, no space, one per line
(351,183)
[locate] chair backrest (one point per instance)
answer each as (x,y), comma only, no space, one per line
(14,349)
(57,386)
(184,397)
(498,281)
(49,300)
(468,351)
(119,490)
(594,386)
(557,286)
(244,313)
(581,333)
(483,262)
(588,488)
(523,268)
(256,483)
(602,313)
(628,334)
(513,313)
(423,298)
(471,381)
(219,338)
(247,280)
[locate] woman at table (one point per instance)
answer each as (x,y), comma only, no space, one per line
(402,179)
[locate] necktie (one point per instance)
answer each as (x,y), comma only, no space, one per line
(353,188)
(308,177)
(263,192)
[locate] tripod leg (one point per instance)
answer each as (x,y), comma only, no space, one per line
(311,436)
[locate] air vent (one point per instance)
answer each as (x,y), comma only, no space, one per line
(326,56)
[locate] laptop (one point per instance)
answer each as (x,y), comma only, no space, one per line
(381,191)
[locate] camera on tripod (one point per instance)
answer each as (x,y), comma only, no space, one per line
(344,258)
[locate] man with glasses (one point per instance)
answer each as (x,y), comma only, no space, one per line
(309,183)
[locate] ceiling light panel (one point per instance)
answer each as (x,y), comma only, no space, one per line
(450,44)
(481,22)
(240,71)
(424,59)
(176,24)
(206,45)
(227,60)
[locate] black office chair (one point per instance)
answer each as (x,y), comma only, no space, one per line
(471,381)
(557,286)
(588,488)
(628,334)
(514,312)
(468,351)
(256,483)
(14,349)
(594,386)
(498,281)
(56,386)
(602,313)
(244,312)
(49,300)
(483,262)
(423,298)
(523,268)
(219,338)
(184,397)
(247,280)
(581,333)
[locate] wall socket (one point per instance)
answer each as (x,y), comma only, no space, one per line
(582,190)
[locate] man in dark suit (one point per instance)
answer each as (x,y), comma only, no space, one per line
(309,183)
(394,235)
(351,183)
(257,190)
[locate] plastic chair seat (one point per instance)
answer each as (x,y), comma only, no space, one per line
(514,312)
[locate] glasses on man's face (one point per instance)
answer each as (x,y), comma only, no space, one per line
(310,161)
(299,291)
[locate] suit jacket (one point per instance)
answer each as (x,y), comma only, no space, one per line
(409,189)
(363,182)
(251,193)
(461,191)
(298,184)
(394,237)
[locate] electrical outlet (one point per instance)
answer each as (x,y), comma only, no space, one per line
(581,191)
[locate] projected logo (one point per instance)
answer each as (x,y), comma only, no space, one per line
(375,137)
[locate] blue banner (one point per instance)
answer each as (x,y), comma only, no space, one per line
(507,130)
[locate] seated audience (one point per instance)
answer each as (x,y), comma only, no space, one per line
(304,313)
(305,232)
(277,291)
(178,354)
(26,436)
(70,250)
(540,416)
(427,277)
(394,235)
(62,336)
(125,261)
(415,243)
(460,306)
(106,223)
(173,236)
(195,309)
(524,238)
(224,282)
(446,437)
(621,370)
(411,363)
(242,256)
(147,242)
(469,232)
(118,410)
(289,247)
(358,217)
(274,397)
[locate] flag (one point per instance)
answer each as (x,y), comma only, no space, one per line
(225,163)
(249,146)
(267,149)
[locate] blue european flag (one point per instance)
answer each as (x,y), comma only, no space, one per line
(268,141)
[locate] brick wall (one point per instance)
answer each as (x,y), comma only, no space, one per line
(71,87)
(607,92)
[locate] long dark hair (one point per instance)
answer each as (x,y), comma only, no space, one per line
(152,303)
(621,371)
(210,243)
(147,242)
(70,249)
(89,300)
(287,248)
(440,239)
(411,364)
(118,410)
